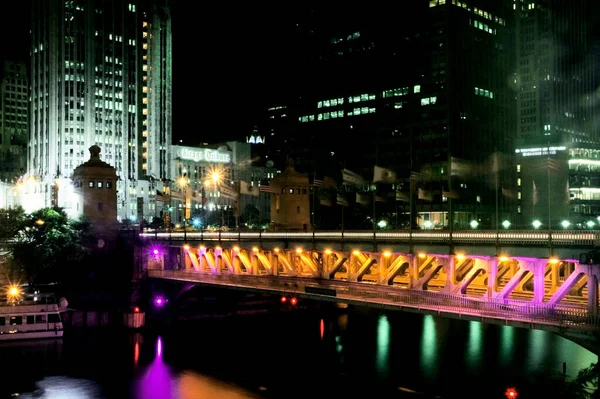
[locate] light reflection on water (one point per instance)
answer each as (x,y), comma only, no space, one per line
(346,352)
(160,382)
(64,388)
(383,346)
(507,345)
(474,346)
(429,348)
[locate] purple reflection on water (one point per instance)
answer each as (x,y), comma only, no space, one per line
(158,381)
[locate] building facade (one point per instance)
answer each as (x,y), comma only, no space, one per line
(101,74)
(14,120)
(557,137)
(411,92)
(94,193)
(213,185)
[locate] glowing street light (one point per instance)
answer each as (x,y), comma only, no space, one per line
(13,292)
(590,224)
(40,222)
(565,224)
(428,224)
(506,224)
(215,177)
(474,224)
(382,224)
(536,224)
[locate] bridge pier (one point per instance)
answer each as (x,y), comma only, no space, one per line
(592,286)
(539,287)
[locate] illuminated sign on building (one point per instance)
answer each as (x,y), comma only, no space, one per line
(532,152)
(204,155)
(255,139)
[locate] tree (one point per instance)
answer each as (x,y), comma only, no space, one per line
(588,378)
(157,223)
(48,246)
(11,221)
(251,214)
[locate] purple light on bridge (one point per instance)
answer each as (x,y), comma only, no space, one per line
(155,251)
(159,301)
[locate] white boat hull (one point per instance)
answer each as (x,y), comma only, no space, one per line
(31,335)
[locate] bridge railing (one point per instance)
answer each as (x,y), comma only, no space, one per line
(586,238)
(519,311)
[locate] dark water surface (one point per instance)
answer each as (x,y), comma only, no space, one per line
(305,354)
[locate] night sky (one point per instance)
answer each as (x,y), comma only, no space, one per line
(227,60)
(222,66)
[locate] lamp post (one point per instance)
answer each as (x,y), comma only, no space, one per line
(215,178)
(183,181)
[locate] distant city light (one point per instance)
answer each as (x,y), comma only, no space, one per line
(382,224)
(565,224)
(506,224)
(536,224)
(474,224)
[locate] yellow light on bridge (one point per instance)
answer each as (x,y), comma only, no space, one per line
(236,249)
(355,252)
(186,247)
(276,249)
(503,258)
(202,247)
(255,249)
(387,254)
(554,260)
(328,251)
(218,248)
(422,255)
(460,256)
(298,250)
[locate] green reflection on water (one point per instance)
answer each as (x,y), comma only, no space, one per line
(507,345)
(383,345)
(428,348)
(474,345)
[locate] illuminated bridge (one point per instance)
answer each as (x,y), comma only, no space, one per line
(531,279)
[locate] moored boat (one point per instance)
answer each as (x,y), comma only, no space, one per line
(30,319)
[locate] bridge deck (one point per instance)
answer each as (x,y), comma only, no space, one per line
(580,238)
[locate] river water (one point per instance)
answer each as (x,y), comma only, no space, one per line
(303,354)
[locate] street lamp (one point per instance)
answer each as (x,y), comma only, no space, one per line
(13,293)
(183,183)
(215,177)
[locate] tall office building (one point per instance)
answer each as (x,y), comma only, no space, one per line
(410,91)
(14,117)
(100,74)
(557,144)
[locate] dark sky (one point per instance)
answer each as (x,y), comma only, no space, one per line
(226,61)
(220,68)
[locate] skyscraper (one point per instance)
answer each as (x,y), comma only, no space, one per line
(14,119)
(411,91)
(100,74)
(557,144)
